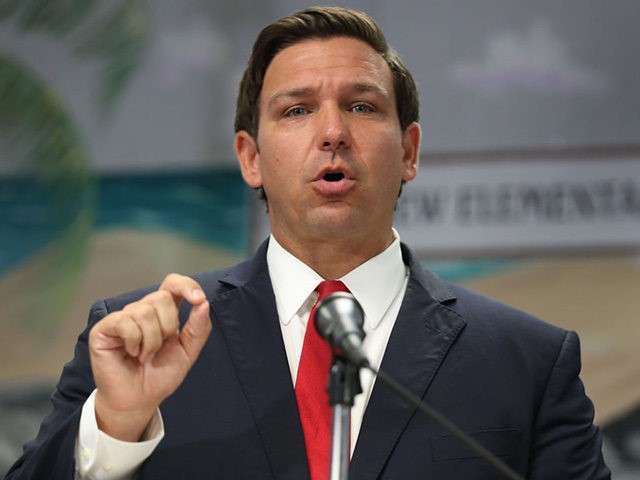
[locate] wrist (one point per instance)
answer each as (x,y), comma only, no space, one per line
(127,425)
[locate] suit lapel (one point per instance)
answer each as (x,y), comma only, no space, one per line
(422,335)
(421,338)
(248,318)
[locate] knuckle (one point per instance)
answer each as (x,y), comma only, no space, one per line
(164,299)
(165,308)
(130,307)
(140,310)
(172,278)
(132,334)
(110,319)
(175,283)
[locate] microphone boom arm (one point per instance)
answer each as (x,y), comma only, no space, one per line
(339,319)
(446,424)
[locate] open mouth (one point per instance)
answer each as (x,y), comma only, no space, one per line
(334,183)
(333,176)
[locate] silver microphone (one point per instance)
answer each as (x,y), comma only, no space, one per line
(339,319)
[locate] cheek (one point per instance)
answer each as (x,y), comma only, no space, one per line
(278,146)
(388,155)
(278,174)
(288,160)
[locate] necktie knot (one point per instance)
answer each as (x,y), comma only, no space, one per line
(327,287)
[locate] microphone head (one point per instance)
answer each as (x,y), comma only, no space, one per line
(339,319)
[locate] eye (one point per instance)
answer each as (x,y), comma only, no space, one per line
(295,112)
(362,108)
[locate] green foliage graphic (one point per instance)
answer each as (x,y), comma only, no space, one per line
(44,149)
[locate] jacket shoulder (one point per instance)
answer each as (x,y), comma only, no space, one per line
(210,281)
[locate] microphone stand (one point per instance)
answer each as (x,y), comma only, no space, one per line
(344,385)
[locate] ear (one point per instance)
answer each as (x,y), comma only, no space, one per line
(249,158)
(411,144)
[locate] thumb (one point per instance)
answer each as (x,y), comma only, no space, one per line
(195,332)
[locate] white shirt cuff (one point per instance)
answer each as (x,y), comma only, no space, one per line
(101,457)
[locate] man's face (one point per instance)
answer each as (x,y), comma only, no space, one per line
(330,152)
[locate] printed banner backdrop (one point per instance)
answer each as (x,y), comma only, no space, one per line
(518,202)
(116,167)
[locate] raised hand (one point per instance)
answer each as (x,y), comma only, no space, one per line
(139,356)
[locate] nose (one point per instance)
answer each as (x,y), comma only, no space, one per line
(333,129)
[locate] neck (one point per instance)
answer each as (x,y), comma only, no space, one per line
(334,258)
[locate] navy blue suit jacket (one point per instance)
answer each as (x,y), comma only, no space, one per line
(508,379)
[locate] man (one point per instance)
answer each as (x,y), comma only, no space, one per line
(327,127)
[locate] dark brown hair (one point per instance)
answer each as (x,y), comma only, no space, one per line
(320,22)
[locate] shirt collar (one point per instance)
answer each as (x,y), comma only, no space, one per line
(293,281)
(377,281)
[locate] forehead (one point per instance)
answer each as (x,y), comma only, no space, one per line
(326,60)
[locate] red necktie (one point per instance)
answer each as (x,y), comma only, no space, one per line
(311,390)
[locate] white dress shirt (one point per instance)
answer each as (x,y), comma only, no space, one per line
(99,456)
(294,284)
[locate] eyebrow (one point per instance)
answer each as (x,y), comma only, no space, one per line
(299,92)
(287,94)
